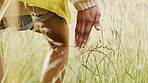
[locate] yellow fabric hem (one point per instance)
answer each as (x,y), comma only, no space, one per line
(62,12)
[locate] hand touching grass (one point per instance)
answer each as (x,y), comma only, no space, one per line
(86,19)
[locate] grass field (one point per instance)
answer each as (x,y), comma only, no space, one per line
(116,54)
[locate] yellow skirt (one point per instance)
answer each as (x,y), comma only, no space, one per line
(60,7)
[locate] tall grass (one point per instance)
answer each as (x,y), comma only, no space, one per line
(116,54)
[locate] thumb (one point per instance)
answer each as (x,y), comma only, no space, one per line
(97,22)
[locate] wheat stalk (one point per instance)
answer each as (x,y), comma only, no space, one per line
(4,8)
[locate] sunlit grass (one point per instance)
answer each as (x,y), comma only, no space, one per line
(116,54)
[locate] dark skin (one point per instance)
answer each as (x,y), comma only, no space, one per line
(86,19)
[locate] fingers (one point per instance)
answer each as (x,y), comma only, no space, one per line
(86,34)
(85,21)
(82,27)
(97,21)
(77,32)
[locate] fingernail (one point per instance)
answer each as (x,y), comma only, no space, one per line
(83,45)
(98,27)
(77,47)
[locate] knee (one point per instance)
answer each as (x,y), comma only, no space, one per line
(60,53)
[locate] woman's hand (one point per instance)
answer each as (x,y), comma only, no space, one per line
(86,19)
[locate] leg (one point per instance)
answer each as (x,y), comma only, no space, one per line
(59,33)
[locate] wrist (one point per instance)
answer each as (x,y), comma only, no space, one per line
(82,5)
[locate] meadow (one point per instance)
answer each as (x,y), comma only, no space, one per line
(115,54)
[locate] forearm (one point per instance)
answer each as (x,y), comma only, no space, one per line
(84,4)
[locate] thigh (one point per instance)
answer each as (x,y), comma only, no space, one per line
(58,29)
